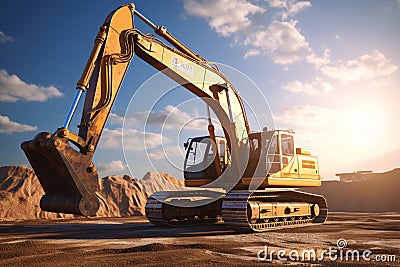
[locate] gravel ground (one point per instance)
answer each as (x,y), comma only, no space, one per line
(133,241)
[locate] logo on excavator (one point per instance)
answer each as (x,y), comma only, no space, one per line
(182,66)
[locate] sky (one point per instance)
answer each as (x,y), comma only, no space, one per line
(329,70)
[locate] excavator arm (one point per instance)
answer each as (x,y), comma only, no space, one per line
(67,174)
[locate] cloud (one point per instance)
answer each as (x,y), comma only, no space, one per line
(8,126)
(282,41)
(289,7)
(168,118)
(111,167)
(317,61)
(134,140)
(223,16)
(170,152)
(4,38)
(12,89)
(115,119)
(310,117)
(315,88)
(366,67)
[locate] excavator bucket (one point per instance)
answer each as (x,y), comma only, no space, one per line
(68,177)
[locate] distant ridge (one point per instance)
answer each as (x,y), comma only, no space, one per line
(380,193)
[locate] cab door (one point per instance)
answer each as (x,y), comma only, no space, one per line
(289,160)
(286,149)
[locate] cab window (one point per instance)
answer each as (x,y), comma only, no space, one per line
(287,145)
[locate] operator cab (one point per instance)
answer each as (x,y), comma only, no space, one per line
(277,149)
(200,157)
(273,157)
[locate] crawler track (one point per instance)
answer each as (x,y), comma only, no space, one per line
(233,209)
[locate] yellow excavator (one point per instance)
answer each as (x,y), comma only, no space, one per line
(244,179)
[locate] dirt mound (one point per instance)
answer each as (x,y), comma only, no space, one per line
(127,196)
(378,194)
(121,197)
(20,193)
(154,182)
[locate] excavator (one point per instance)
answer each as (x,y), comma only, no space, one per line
(244,179)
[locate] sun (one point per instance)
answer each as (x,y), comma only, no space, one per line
(365,127)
